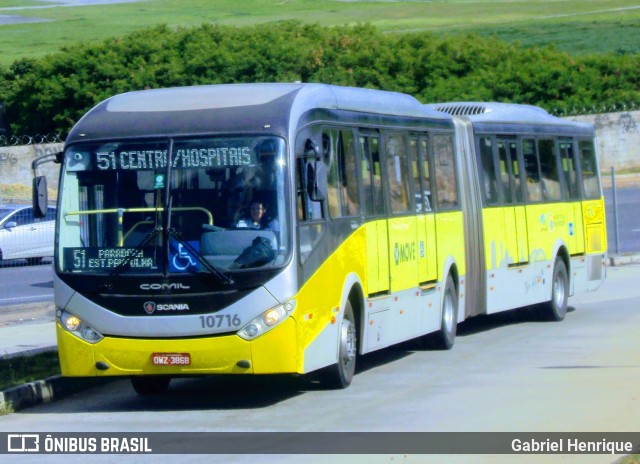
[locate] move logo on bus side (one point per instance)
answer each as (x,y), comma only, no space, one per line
(406,252)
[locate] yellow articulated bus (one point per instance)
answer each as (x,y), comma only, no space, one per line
(539,229)
(287,228)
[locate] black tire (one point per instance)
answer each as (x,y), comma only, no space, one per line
(150,385)
(556,308)
(446,336)
(341,374)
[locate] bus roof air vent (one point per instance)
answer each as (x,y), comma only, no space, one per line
(462,109)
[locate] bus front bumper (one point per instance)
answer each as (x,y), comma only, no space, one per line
(272,353)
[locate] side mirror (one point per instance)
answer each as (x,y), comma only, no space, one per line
(316,173)
(10,225)
(40,196)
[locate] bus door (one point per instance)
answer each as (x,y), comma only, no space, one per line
(571,192)
(515,215)
(426,225)
(376,225)
(404,247)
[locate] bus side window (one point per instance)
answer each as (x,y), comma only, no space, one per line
(489,181)
(329,140)
(398,173)
(425,163)
(371,174)
(534,191)
(420,173)
(589,168)
(569,173)
(504,170)
(445,172)
(342,181)
(515,170)
(549,170)
(349,181)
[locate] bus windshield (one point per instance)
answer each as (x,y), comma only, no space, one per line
(173,206)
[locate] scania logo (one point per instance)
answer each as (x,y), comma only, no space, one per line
(149,307)
(173,286)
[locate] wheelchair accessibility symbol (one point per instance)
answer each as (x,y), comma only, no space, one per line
(181,260)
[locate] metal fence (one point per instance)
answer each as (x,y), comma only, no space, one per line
(24,239)
(622,197)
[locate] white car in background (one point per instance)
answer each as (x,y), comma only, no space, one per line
(24,237)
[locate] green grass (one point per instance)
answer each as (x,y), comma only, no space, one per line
(23,369)
(19,3)
(632,459)
(578,26)
(5,409)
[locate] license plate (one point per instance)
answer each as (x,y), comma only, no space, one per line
(171,359)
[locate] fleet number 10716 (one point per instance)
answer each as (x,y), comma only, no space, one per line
(220,320)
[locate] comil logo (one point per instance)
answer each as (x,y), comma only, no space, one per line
(149,307)
(165,287)
(23,443)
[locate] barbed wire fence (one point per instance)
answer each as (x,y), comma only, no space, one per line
(38,139)
(594,109)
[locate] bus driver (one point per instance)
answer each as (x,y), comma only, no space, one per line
(258,218)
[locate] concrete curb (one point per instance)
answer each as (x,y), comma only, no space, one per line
(623,260)
(45,391)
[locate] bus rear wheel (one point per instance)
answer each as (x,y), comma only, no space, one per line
(340,374)
(556,308)
(150,385)
(446,336)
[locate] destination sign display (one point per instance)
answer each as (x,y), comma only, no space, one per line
(100,258)
(183,158)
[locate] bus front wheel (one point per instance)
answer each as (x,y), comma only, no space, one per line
(150,385)
(340,374)
(556,308)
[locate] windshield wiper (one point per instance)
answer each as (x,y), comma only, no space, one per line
(224,278)
(133,253)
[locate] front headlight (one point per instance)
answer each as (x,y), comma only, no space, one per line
(77,327)
(267,320)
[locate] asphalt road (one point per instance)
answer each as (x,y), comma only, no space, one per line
(24,283)
(507,372)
